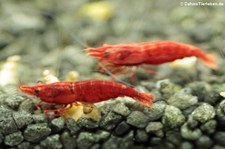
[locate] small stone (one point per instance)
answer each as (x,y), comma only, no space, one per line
(122,109)
(14,101)
(72,126)
(57,124)
(27,105)
(1,138)
(209,127)
(13,139)
(137,119)
(172,117)
(52,142)
(96,146)
(87,123)
(201,34)
(203,113)
(166,88)
(204,142)
(85,140)
(155,141)
(121,128)
(186,145)
(40,118)
(156,112)
(36,132)
(189,134)
(25,145)
(192,123)
(173,137)
(7,123)
(101,135)
(220,137)
(68,140)
(220,112)
(182,99)
(141,136)
(155,128)
(110,120)
(218,147)
(22,118)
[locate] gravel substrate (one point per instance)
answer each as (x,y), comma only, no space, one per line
(188,111)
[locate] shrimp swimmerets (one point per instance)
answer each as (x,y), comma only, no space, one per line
(88,91)
(116,57)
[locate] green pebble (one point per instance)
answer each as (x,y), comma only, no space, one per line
(173,117)
(203,113)
(189,134)
(13,139)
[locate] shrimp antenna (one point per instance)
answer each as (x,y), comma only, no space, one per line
(113,76)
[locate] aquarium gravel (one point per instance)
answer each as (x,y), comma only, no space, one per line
(187,112)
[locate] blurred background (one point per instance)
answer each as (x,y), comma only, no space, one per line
(37,35)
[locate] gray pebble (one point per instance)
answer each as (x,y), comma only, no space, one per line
(68,140)
(87,123)
(40,118)
(121,108)
(119,142)
(13,139)
(137,119)
(57,124)
(186,145)
(166,88)
(189,134)
(14,101)
(52,142)
(172,117)
(27,105)
(110,120)
(174,137)
(25,145)
(85,140)
(182,99)
(204,142)
(121,128)
(7,123)
(72,126)
(1,138)
(141,136)
(22,118)
(203,113)
(220,112)
(218,147)
(209,127)
(36,132)
(156,112)
(220,137)
(153,127)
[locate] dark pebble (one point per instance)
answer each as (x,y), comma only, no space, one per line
(1,138)
(110,120)
(186,145)
(119,142)
(87,123)
(36,132)
(200,34)
(68,141)
(218,147)
(141,136)
(209,127)
(72,126)
(220,138)
(13,139)
(204,142)
(155,141)
(27,105)
(174,137)
(57,124)
(22,118)
(25,145)
(121,129)
(137,119)
(52,142)
(122,109)
(85,140)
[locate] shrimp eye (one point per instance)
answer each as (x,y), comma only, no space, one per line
(106,53)
(36,91)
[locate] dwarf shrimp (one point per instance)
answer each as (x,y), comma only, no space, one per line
(88,91)
(116,58)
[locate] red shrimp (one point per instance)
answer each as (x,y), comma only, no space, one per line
(89,91)
(115,57)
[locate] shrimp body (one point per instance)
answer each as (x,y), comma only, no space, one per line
(89,91)
(152,53)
